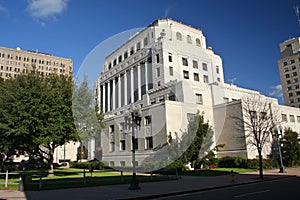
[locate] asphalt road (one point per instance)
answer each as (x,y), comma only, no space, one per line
(281,189)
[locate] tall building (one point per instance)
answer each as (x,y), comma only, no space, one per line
(16,61)
(168,70)
(289,70)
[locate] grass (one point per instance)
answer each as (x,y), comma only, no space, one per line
(72,178)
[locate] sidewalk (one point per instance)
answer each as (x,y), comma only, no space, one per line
(154,189)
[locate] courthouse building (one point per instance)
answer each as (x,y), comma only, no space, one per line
(168,70)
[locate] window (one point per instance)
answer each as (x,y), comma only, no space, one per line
(198,43)
(125,55)
(157,58)
(111,163)
(263,115)
(253,115)
(288,82)
(287,76)
(189,39)
(178,36)
(205,79)
(199,99)
(149,142)
(196,77)
(171,73)
(138,46)
(148,120)
(158,72)
(289,88)
(295,80)
(120,59)
(298,93)
(284,117)
(184,62)
(217,69)
(298,119)
(131,50)
(204,66)
(112,146)
(292,118)
(145,41)
(122,163)
(190,117)
(286,69)
(293,67)
(290,94)
(114,62)
(292,61)
(186,74)
(195,64)
(111,129)
(170,57)
(285,63)
(296,86)
(294,73)
(122,145)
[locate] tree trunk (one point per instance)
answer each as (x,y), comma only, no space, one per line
(260,165)
(51,159)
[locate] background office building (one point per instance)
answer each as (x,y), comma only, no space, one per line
(289,70)
(16,61)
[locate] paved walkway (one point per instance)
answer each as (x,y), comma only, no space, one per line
(154,189)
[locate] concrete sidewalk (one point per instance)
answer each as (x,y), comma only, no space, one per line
(149,190)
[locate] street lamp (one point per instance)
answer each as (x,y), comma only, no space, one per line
(136,122)
(278,133)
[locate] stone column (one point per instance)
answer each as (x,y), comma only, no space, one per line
(139,83)
(132,85)
(119,91)
(108,96)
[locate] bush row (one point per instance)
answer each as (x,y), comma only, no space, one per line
(95,165)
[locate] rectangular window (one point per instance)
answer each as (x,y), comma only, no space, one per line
(171,73)
(122,145)
(289,88)
(288,82)
(149,142)
(285,63)
(186,74)
(195,64)
(296,86)
(291,94)
(298,119)
(114,62)
(111,163)
(170,57)
(120,59)
(148,120)
(145,41)
(217,69)
(284,117)
(199,99)
(157,58)
(292,61)
(122,163)
(138,46)
(125,55)
(295,80)
(158,72)
(136,144)
(196,77)
(286,69)
(131,50)
(292,118)
(204,66)
(205,79)
(184,62)
(293,67)
(112,146)
(287,76)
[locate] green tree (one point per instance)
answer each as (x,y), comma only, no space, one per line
(290,147)
(87,117)
(38,116)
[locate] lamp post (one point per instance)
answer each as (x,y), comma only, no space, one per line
(277,133)
(136,122)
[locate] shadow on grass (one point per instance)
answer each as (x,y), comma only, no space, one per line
(205,172)
(63,183)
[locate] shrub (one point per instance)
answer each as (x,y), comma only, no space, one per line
(232,162)
(97,165)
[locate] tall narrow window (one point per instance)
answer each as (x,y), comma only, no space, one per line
(157,58)
(138,46)
(170,57)
(184,62)
(205,79)
(149,142)
(189,39)
(148,120)
(204,66)
(199,99)
(178,36)
(145,41)
(186,74)
(171,73)
(198,43)
(158,72)
(195,64)
(196,77)
(217,69)
(122,145)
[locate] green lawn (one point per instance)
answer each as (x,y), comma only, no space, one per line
(216,171)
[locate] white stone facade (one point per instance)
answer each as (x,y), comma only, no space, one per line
(168,70)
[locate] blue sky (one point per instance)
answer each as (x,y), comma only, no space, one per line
(246,34)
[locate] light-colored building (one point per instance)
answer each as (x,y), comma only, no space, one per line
(16,61)
(168,70)
(289,70)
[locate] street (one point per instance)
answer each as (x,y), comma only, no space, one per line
(273,189)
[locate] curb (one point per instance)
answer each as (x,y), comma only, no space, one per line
(203,189)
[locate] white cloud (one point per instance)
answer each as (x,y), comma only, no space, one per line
(3,10)
(276,91)
(46,9)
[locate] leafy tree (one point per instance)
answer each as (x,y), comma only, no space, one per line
(290,147)
(256,121)
(38,115)
(87,117)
